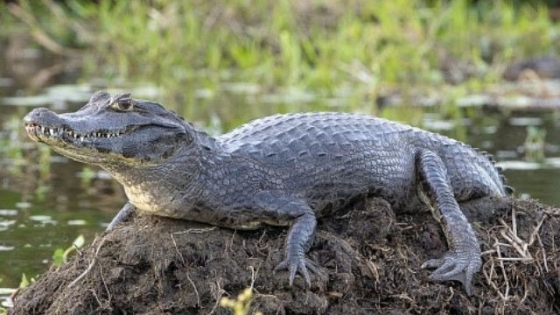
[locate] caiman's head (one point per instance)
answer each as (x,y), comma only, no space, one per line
(112,130)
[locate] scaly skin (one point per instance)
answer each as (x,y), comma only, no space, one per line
(279,170)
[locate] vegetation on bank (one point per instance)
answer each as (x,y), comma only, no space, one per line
(367,48)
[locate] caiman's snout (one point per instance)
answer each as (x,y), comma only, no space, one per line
(36,114)
(37,118)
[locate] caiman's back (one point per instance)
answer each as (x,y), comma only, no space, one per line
(331,156)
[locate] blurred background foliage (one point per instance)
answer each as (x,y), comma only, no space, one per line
(372,47)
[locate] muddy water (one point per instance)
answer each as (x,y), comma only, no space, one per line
(46,201)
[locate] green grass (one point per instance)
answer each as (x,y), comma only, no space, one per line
(367,47)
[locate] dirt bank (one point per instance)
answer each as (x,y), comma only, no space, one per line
(370,256)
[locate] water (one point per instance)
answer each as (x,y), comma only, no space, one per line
(46,204)
(39,215)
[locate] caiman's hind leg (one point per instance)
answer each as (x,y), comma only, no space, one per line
(462,260)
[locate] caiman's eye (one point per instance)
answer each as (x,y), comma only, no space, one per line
(123,103)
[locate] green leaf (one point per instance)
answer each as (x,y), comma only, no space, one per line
(79,241)
(24,282)
(58,257)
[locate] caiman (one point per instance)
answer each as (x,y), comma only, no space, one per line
(282,170)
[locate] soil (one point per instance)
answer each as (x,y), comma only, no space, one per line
(369,258)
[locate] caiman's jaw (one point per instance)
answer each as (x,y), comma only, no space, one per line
(110,130)
(84,147)
(53,134)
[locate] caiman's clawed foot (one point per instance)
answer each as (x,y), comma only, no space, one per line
(295,264)
(460,266)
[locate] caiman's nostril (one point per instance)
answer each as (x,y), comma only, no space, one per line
(27,120)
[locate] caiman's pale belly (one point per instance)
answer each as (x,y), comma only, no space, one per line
(148,203)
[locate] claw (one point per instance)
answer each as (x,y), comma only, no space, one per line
(295,265)
(455,266)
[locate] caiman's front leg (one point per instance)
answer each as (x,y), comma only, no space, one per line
(462,260)
(123,214)
(281,208)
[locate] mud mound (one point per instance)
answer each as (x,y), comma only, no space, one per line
(370,258)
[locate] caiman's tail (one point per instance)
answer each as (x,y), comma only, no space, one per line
(508,190)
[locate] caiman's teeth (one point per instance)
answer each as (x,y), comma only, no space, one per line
(72,134)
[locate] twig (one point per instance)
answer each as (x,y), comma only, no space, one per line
(515,259)
(514,237)
(373,269)
(195,290)
(505,296)
(195,231)
(552,212)
(535,232)
(253,276)
(177,249)
(489,278)
(525,292)
(510,234)
(514,221)
(543,254)
(220,293)
(91,264)
(522,251)
(230,244)
(109,296)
